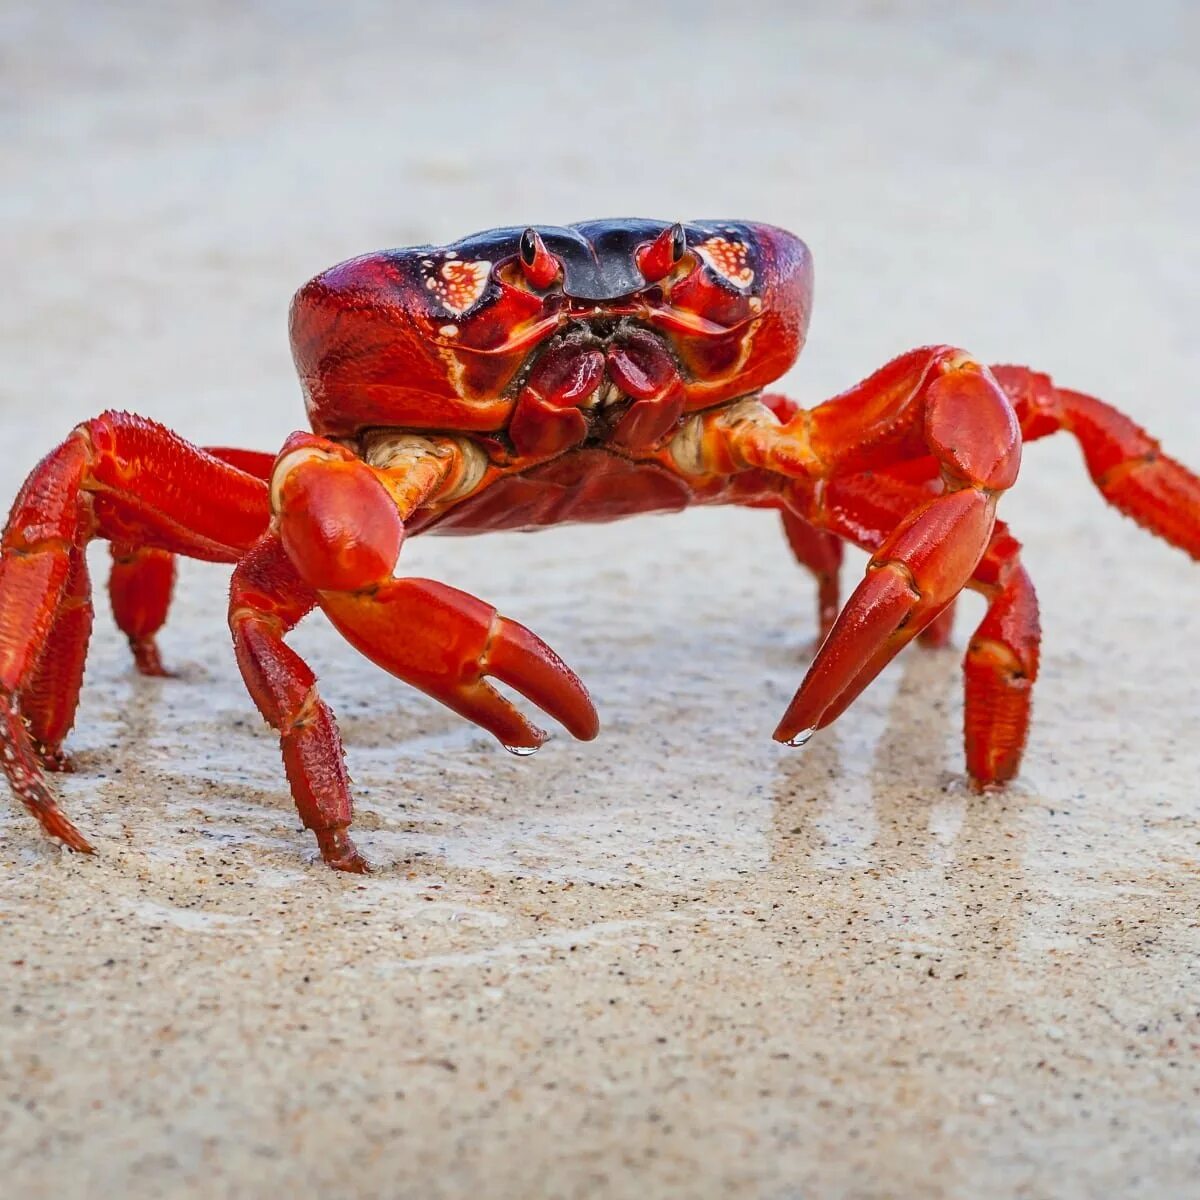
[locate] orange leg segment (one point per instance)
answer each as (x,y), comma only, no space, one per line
(821,553)
(1001,664)
(267,598)
(1126,464)
(118,477)
(51,696)
(143,577)
(139,590)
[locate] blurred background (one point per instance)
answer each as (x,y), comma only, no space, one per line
(680,960)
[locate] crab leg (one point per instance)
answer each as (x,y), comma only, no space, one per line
(119,477)
(338,532)
(1126,464)
(267,598)
(821,553)
(934,401)
(342,525)
(140,583)
(969,427)
(143,577)
(52,693)
(1001,663)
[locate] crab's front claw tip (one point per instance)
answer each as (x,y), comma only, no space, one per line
(877,621)
(340,853)
(521,659)
(785,735)
(526,751)
(801,720)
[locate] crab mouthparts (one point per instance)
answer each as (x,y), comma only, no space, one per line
(607,382)
(605,395)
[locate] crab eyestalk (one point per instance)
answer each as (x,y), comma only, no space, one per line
(540,267)
(657,259)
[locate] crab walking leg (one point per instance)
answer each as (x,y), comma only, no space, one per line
(267,598)
(258,463)
(140,583)
(142,578)
(1001,664)
(1126,464)
(120,477)
(821,553)
(52,694)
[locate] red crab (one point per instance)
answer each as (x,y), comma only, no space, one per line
(522,378)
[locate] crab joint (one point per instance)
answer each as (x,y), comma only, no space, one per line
(337,522)
(705,442)
(450,466)
(288,463)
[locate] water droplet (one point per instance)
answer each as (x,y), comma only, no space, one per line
(800,738)
(522,751)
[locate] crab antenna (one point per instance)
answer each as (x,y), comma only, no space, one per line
(656,259)
(540,266)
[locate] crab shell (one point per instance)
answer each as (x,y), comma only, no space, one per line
(439,337)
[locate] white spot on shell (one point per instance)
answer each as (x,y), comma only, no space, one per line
(729,259)
(460,285)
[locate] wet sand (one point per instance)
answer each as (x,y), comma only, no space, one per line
(680,960)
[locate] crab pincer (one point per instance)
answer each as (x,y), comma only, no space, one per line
(337,536)
(972,432)
(446,643)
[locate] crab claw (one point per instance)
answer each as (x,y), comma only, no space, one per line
(444,642)
(910,580)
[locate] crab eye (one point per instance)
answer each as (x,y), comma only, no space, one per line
(541,268)
(657,258)
(678,242)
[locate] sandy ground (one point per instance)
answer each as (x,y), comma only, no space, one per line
(681,960)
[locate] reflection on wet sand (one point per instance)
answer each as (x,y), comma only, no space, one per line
(938,864)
